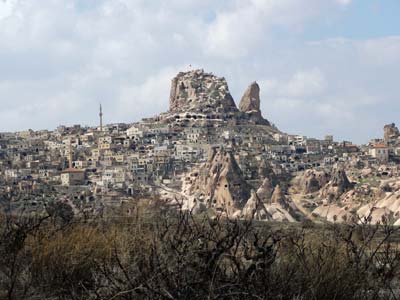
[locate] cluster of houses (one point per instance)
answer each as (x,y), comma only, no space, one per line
(140,156)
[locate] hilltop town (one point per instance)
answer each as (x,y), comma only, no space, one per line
(206,155)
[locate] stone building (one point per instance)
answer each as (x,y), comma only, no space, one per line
(72,176)
(380,152)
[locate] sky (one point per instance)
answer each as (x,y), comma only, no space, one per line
(323,66)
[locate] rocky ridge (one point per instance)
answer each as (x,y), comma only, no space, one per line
(198,91)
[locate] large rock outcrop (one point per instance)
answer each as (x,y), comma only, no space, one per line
(339,179)
(391,132)
(262,207)
(280,208)
(250,101)
(250,104)
(197,96)
(265,170)
(255,209)
(219,184)
(338,185)
(334,213)
(197,91)
(265,191)
(313,180)
(277,195)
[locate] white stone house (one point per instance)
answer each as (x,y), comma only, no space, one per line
(380,152)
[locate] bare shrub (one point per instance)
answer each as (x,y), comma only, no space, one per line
(156,253)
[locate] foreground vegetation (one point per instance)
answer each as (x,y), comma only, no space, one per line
(155,253)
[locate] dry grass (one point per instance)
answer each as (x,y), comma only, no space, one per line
(159,254)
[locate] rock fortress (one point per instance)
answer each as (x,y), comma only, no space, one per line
(205,155)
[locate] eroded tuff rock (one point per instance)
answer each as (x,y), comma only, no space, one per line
(219,184)
(197,95)
(197,91)
(265,170)
(339,179)
(250,101)
(313,180)
(391,132)
(250,104)
(277,195)
(265,191)
(338,184)
(281,208)
(334,213)
(255,209)
(262,207)
(387,206)
(357,195)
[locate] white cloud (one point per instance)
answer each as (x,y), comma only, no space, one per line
(6,8)
(59,59)
(378,51)
(239,29)
(344,2)
(352,93)
(383,51)
(305,83)
(149,97)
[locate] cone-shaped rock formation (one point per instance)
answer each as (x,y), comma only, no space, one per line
(219,183)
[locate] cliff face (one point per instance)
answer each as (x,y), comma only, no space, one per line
(197,91)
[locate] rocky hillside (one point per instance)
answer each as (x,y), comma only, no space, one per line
(219,185)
